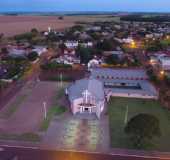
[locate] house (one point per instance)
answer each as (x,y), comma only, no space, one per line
(128,40)
(109,53)
(71,44)
(153,60)
(93,28)
(86,96)
(70,51)
(93,63)
(39,49)
(164,62)
(66,59)
(17,53)
(3,72)
(87,44)
(84,36)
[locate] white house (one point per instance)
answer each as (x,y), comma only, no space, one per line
(17,53)
(87,44)
(87,96)
(164,62)
(39,49)
(66,59)
(128,40)
(93,63)
(94,28)
(71,44)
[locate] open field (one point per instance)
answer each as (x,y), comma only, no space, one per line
(24,113)
(12,25)
(117,110)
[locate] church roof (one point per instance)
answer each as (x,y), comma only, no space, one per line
(95,87)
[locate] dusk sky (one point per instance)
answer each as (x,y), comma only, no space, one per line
(85,5)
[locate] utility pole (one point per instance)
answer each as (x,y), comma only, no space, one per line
(126,115)
(45,109)
(61,80)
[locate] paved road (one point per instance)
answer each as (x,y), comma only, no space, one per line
(13,153)
(31,75)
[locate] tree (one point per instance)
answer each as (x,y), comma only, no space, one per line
(1,36)
(84,54)
(113,59)
(167,80)
(4,50)
(60,17)
(95,35)
(142,128)
(62,46)
(32,56)
(76,28)
(154,45)
(106,45)
(34,31)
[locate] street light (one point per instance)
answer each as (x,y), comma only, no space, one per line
(45,109)
(162,72)
(133,44)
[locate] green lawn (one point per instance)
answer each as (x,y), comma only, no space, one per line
(117,108)
(53,111)
(32,137)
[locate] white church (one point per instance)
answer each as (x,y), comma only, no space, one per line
(87,96)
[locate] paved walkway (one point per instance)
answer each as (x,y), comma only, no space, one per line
(78,133)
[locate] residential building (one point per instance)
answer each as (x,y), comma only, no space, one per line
(164,62)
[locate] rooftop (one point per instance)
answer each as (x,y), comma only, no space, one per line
(95,87)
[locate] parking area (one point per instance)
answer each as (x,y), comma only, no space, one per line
(81,133)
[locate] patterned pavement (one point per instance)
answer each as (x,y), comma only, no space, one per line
(78,133)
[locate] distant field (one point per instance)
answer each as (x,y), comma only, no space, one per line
(12,25)
(117,111)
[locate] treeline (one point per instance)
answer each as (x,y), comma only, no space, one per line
(140,18)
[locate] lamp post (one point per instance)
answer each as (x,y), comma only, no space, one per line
(126,115)
(61,79)
(45,109)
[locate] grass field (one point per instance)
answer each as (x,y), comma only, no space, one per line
(13,25)
(53,111)
(117,110)
(13,107)
(32,137)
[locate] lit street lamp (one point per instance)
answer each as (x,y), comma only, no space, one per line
(162,72)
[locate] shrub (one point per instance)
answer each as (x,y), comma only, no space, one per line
(32,56)
(54,65)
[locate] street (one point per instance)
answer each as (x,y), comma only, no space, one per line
(17,153)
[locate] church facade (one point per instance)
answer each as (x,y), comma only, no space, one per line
(86,96)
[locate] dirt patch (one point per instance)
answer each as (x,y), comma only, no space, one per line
(29,113)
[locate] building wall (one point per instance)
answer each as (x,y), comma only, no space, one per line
(131,95)
(76,108)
